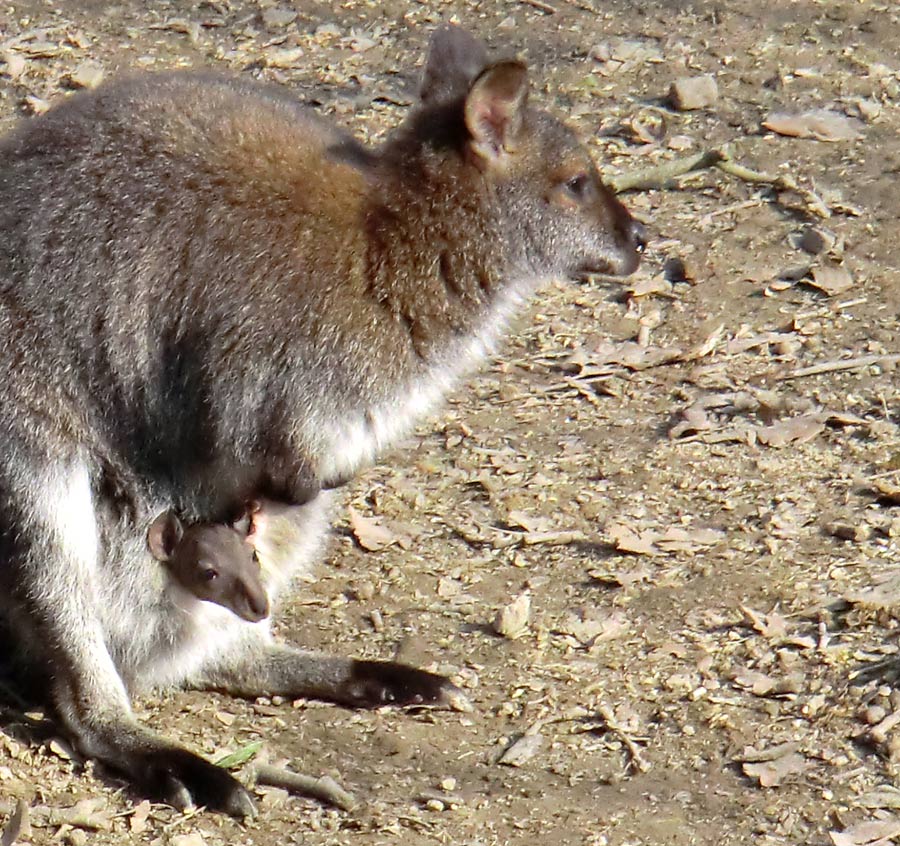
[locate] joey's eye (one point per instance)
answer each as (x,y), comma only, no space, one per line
(580,187)
(209,574)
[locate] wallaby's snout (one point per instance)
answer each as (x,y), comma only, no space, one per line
(632,239)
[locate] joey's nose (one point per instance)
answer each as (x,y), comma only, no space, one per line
(257,606)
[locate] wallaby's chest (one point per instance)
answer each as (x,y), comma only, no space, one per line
(351,436)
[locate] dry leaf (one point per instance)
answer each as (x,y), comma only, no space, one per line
(652,285)
(875,832)
(886,796)
(759,684)
(820,124)
(797,430)
(522,750)
(883,595)
(831,279)
(92,814)
(652,542)
(627,540)
(369,532)
(634,356)
(772,625)
(528,522)
(590,627)
(512,620)
(138,821)
(772,772)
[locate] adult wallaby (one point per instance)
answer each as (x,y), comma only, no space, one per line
(208,295)
(212,562)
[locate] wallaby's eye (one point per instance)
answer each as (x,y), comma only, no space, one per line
(210,574)
(580,187)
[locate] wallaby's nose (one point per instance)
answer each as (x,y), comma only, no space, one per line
(638,236)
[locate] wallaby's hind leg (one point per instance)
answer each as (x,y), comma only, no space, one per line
(267,669)
(52,561)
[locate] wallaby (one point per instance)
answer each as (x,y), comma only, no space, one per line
(212,562)
(219,296)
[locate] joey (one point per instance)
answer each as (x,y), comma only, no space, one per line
(215,563)
(221,296)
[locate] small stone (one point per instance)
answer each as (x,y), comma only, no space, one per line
(448,784)
(364,590)
(680,142)
(435,805)
(13,64)
(282,57)
(36,105)
(698,92)
(874,714)
(512,620)
(327,30)
(86,75)
(277,18)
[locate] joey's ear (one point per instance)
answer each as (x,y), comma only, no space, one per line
(164,535)
(455,58)
(495,108)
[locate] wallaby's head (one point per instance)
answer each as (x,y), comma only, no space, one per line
(213,562)
(553,212)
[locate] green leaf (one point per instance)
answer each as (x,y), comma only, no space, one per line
(241,756)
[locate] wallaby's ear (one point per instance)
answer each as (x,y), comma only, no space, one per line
(455,58)
(164,535)
(494,110)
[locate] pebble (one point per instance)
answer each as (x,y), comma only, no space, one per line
(697,92)
(86,75)
(874,714)
(277,18)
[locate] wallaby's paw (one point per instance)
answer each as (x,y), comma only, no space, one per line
(183,780)
(376,683)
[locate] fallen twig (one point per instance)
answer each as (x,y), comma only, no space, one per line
(324,788)
(840,364)
(546,8)
(612,725)
(661,177)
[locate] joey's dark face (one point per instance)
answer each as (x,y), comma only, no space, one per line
(217,565)
(570,222)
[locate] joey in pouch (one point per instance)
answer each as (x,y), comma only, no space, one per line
(212,562)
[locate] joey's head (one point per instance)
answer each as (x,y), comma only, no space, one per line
(552,211)
(215,563)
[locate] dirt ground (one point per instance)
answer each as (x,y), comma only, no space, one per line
(694,476)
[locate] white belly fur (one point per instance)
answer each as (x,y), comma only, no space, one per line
(360,435)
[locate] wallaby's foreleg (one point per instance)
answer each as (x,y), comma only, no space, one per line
(267,669)
(54,559)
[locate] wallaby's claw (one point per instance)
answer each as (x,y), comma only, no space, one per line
(376,683)
(182,779)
